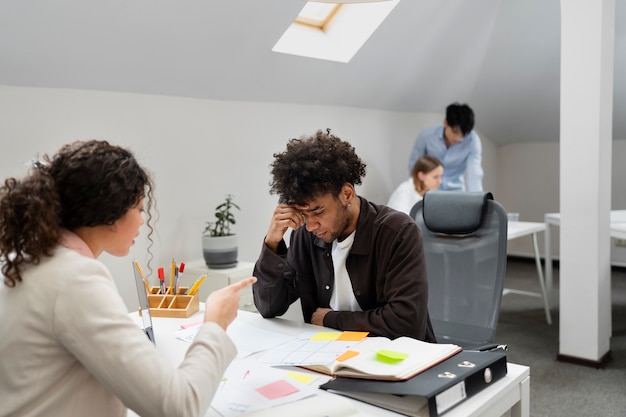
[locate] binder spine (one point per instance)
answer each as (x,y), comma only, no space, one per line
(447,399)
(471,385)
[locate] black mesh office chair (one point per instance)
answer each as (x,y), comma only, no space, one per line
(465,241)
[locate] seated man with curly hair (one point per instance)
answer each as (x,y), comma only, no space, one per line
(353,264)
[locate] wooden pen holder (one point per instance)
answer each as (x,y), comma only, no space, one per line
(172,305)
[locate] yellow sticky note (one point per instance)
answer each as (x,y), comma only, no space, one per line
(301,378)
(325,336)
(389,356)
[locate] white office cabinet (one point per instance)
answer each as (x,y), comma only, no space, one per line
(219,278)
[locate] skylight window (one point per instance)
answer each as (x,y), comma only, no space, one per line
(333,32)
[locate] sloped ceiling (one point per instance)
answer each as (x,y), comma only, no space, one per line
(500,56)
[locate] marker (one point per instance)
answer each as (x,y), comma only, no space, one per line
(179,277)
(162,280)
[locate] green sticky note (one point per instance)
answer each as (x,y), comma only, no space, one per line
(389,356)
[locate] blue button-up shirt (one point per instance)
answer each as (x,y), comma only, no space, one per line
(461,158)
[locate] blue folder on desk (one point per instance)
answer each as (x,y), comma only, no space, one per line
(432,392)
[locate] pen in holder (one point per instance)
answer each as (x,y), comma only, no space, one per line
(172,305)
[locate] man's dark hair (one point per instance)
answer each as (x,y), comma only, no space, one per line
(314,165)
(460,115)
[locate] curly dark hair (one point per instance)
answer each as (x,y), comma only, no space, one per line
(85,184)
(314,165)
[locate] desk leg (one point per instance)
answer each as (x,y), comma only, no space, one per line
(522,408)
(548,259)
(546,300)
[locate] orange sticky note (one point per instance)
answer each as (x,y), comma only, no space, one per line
(347,355)
(352,336)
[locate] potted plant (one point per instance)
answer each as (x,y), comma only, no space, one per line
(219,244)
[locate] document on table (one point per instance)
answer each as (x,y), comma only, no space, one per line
(248,339)
(248,385)
(312,348)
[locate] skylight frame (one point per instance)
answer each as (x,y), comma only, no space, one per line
(343,36)
(329,10)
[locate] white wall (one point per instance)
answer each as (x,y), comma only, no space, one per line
(200,150)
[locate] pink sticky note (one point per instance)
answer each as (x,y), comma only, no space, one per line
(188,325)
(280,388)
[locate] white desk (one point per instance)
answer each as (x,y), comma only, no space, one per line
(617,230)
(510,393)
(516,229)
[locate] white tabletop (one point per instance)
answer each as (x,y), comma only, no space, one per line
(618,230)
(519,229)
(616,216)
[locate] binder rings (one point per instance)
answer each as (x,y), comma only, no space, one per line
(432,392)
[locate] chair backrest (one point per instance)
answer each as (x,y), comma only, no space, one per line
(465,241)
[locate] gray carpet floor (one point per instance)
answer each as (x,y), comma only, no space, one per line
(558,388)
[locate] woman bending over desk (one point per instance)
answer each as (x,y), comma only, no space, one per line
(425,176)
(67,344)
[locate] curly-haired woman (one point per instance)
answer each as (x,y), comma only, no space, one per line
(67,344)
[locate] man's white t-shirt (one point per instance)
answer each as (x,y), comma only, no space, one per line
(343,298)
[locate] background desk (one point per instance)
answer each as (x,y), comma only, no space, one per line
(510,393)
(617,230)
(516,229)
(219,278)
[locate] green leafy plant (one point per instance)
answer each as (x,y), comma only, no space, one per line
(225,218)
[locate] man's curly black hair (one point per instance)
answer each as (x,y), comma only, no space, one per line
(314,165)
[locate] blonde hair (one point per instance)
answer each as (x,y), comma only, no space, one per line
(425,164)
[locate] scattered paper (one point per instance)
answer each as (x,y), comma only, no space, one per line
(248,339)
(250,386)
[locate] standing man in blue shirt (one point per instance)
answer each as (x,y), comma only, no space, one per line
(456,145)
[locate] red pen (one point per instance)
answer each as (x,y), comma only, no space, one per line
(162,280)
